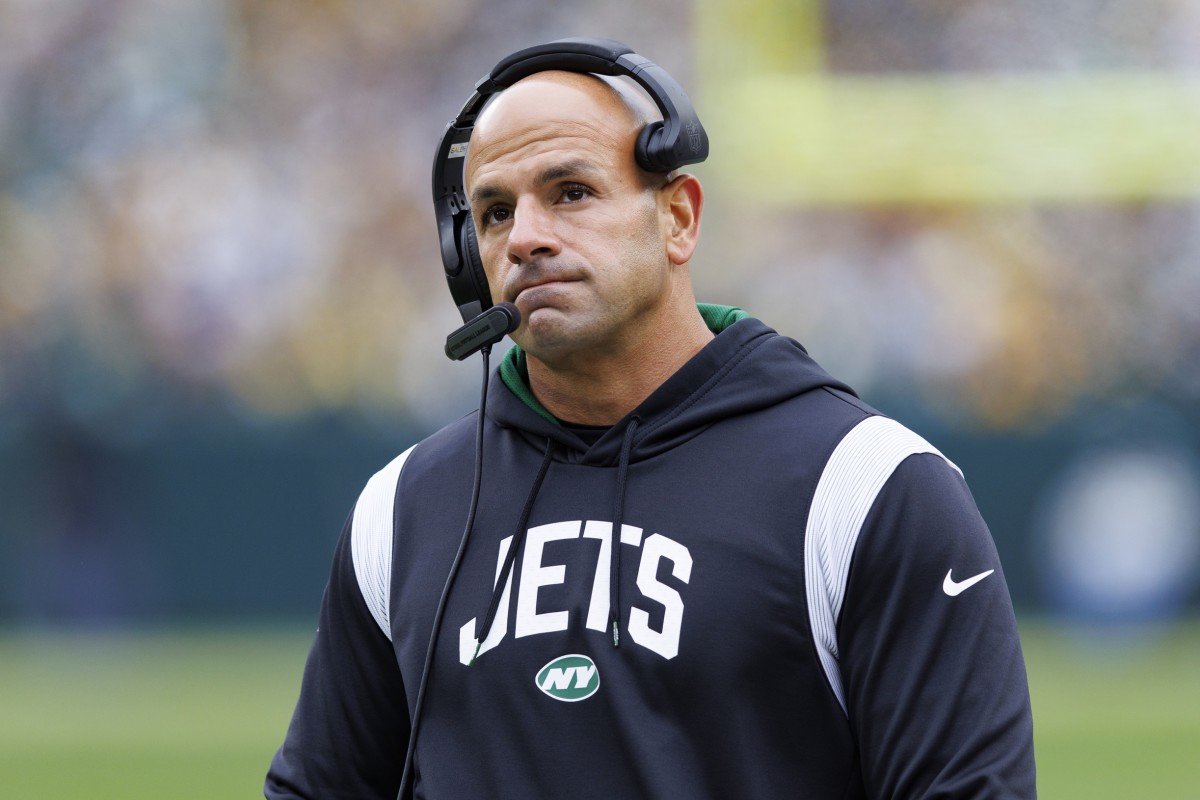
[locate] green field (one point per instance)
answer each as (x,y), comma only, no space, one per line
(198,715)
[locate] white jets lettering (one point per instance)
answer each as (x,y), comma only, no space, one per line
(597,618)
(466,634)
(535,574)
(666,641)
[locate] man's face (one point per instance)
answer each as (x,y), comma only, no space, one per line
(568,229)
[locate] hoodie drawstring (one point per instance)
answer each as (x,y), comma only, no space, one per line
(614,569)
(518,538)
(513,547)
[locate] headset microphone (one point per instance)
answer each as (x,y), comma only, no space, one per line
(485,330)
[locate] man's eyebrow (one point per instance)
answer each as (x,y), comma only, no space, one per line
(484,193)
(568,169)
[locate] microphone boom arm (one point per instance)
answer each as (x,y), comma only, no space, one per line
(485,330)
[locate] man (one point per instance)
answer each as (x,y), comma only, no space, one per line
(701,567)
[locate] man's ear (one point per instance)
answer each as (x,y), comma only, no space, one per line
(681,201)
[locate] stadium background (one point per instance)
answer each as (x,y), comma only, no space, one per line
(221,310)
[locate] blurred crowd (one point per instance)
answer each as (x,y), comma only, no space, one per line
(227,201)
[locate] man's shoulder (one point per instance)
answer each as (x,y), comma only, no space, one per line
(450,440)
(844,434)
(447,445)
(820,416)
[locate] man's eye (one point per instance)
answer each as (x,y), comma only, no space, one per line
(573,194)
(495,215)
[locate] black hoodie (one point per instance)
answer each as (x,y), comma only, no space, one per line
(805,604)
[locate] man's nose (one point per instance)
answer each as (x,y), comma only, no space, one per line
(532,234)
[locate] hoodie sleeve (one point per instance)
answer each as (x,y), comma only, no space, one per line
(931,663)
(349,732)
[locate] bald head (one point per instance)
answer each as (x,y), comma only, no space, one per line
(612,94)
(547,104)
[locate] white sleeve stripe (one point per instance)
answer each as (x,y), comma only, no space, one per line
(371,540)
(853,477)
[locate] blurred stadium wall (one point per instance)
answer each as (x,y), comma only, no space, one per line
(221,307)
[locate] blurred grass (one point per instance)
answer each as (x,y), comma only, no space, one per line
(144,715)
(198,714)
(1116,715)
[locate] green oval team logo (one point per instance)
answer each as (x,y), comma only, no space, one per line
(569,678)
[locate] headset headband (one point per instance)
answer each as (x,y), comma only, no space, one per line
(677,140)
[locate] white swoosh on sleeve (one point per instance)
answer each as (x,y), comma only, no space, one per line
(955,588)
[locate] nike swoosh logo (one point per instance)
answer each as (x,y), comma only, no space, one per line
(954,588)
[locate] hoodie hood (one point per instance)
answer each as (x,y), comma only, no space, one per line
(748,366)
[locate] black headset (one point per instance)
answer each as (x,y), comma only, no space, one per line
(661,146)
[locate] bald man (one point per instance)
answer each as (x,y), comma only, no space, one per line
(701,566)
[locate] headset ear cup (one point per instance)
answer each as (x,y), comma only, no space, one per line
(646,148)
(473,265)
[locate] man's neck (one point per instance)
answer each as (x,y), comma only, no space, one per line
(601,389)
